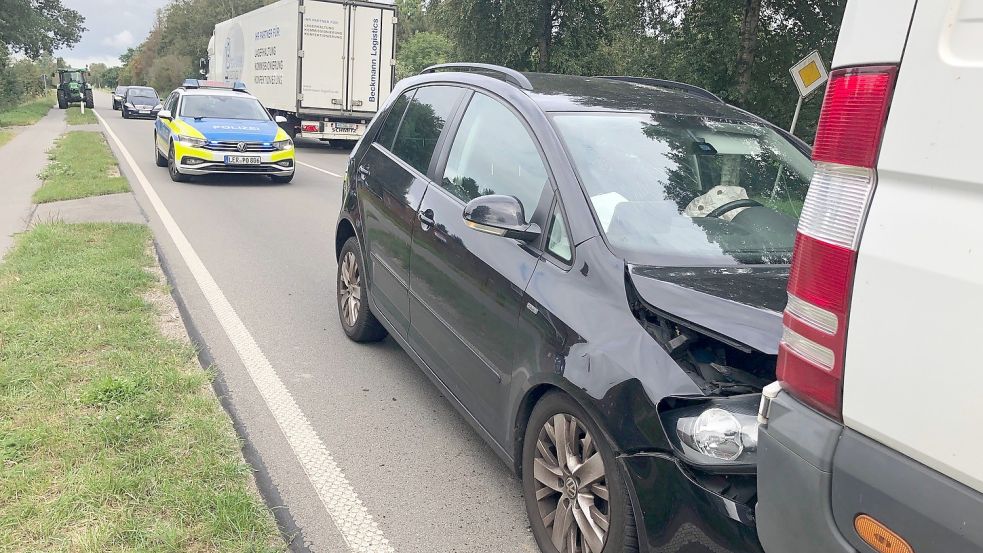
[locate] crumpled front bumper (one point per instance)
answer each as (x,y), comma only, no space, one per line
(676,512)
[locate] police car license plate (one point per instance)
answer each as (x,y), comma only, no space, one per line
(242,160)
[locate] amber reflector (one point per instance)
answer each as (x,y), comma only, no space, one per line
(879,536)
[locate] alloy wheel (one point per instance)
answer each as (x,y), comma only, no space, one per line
(350,289)
(571,486)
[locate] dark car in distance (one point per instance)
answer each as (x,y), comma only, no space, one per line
(140,102)
(118,95)
(593,271)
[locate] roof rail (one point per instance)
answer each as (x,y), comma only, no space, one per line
(662,83)
(511,76)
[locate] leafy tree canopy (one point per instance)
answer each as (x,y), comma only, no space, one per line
(33,27)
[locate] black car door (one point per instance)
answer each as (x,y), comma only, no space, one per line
(466,286)
(392,181)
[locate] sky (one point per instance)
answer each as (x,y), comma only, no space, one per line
(113,26)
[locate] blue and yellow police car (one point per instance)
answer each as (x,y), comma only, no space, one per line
(212,127)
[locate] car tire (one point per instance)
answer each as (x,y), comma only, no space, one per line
(176,175)
(126,114)
(160,160)
(592,455)
(282,179)
(353,297)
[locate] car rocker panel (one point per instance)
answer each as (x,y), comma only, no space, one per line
(232,146)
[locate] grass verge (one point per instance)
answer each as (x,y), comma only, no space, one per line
(74,116)
(5,136)
(27,113)
(110,439)
(81,165)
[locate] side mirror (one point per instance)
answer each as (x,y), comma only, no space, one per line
(500,215)
(280,119)
(164,114)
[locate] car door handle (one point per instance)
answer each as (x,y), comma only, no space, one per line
(426,219)
(363,171)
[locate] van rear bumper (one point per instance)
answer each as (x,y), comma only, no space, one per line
(815,477)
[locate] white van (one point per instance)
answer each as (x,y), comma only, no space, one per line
(873,438)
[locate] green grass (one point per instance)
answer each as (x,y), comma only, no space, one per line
(81,165)
(110,439)
(5,136)
(74,116)
(27,113)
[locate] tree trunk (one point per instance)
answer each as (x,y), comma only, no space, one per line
(749,42)
(545,36)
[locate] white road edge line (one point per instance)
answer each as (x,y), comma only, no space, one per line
(318,169)
(357,528)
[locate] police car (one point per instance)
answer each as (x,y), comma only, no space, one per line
(209,127)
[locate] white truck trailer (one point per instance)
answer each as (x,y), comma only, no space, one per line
(325,65)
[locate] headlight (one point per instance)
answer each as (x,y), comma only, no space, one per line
(192,141)
(158,107)
(129,105)
(283,144)
(721,434)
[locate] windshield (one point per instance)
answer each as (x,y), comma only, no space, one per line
(142,98)
(687,190)
(223,107)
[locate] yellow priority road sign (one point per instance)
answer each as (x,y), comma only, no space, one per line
(809,74)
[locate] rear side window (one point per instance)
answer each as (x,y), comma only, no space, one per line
(425,117)
(494,154)
(391,125)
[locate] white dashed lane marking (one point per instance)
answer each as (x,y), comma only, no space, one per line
(319,169)
(360,532)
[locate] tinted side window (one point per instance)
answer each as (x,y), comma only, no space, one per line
(424,120)
(391,125)
(494,154)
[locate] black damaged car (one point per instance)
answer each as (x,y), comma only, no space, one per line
(593,271)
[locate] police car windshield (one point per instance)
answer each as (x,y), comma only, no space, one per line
(222,107)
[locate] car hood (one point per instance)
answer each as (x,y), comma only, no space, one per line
(743,304)
(234,129)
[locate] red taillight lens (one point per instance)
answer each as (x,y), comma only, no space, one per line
(810,358)
(853,115)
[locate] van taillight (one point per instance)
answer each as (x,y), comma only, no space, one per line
(810,358)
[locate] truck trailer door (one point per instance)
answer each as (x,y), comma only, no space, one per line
(370,48)
(325,37)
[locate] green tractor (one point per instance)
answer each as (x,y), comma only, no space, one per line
(72,88)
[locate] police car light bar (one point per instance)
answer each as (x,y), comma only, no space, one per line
(237,86)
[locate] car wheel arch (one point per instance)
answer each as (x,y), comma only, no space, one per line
(343,232)
(537,392)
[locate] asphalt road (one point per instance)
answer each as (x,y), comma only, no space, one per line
(428,481)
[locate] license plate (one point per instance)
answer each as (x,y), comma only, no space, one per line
(243,160)
(344,126)
(145,111)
